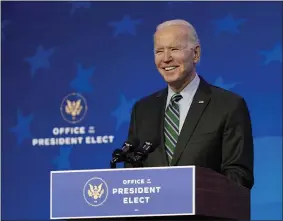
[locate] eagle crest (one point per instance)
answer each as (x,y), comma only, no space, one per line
(73,108)
(95,191)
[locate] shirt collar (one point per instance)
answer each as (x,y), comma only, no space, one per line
(188,90)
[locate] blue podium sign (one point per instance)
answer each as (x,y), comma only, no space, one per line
(131,192)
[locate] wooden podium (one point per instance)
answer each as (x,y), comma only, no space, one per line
(214,197)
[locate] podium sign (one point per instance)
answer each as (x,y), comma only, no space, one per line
(130,192)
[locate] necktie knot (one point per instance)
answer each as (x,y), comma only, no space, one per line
(176,98)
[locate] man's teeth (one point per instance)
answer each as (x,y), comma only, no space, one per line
(169,68)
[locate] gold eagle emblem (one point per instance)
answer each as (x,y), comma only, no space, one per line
(73,108)
(95,191)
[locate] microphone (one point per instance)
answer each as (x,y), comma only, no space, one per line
(120,155)
(141,154)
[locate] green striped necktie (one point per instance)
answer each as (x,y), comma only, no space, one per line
(171,125)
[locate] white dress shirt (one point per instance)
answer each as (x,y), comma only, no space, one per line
(188,94)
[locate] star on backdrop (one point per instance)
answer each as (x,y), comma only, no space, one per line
(274,54)
(228,24)
(82,83)
(219,82)
(125,26)
(39,59)
(22,129)
(62,161)
(123,111)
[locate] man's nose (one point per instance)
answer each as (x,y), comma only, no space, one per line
(167,56)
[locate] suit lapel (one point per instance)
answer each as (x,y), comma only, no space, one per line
(161,103)
(199,103)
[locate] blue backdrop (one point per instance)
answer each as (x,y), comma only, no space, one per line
(104,50)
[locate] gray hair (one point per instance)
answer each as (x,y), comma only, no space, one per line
(179,22)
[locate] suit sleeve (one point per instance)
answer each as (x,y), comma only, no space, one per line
(132,130)
(237,148)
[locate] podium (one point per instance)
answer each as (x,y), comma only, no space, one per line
(157,193)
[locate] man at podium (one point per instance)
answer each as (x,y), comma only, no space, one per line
(195,122)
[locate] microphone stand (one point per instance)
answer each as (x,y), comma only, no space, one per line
(136,160)
(127,159)
(112,164)
(135,163)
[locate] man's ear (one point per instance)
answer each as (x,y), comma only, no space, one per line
(197,53)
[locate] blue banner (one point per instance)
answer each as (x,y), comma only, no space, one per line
(122,193)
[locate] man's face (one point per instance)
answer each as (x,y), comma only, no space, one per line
(174,55)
